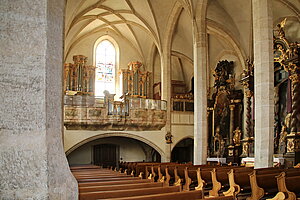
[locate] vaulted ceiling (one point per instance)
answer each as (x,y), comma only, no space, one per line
(143,23)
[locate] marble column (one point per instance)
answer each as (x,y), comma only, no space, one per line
(32,160)
(200,88)
(263,82)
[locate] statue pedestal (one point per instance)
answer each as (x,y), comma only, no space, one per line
(234,153)
(247,147)
(292,156)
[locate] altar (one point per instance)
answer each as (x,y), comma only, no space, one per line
(249,161)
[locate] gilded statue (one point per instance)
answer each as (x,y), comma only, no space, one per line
(282,140)
(245,149)
(219,144)
(287,120)
(237,136)
(280,27)
(168,137)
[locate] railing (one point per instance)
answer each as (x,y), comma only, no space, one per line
(183,105)
(96,113)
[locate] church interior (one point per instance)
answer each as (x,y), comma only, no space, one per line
(142,86)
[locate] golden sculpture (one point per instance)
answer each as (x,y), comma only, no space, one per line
(237,136)
(280,26)
(282,140)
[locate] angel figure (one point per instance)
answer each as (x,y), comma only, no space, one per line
(280,27)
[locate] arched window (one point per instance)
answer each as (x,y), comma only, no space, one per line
(105,68)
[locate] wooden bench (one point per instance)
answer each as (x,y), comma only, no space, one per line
(118,182)
(119,187)
(172,176)
(127,193)
(290,185)
(239,179)
(189,195)
(266,183)
(220,180)
(107,179)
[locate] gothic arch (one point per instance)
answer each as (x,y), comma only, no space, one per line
(184,138)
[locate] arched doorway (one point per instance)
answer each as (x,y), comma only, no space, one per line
(183,151)
(109,151)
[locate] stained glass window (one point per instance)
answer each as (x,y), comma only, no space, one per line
(105,68)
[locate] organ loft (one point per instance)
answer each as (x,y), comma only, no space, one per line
(150,99)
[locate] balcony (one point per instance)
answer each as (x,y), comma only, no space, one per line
(89,113)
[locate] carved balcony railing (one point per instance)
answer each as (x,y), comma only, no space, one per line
(182,105)
(89,113)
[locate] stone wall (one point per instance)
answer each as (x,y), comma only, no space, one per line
(32,161)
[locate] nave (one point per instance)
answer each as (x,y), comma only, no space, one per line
(165,181)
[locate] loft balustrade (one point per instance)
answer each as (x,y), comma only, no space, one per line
(87,112)
(182,105)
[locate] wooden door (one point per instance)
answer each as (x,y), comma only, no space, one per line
(105,155)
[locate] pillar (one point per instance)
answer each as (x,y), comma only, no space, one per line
(32,160)
(166,95)
(263,83)
(200,87)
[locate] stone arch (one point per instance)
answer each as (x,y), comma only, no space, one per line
(117,134)
(184,138)
(183,151)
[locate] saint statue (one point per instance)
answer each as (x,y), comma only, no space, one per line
(282,140)
(237,136)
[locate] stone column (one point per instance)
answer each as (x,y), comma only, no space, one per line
(200,87)
(263,83)
(166,95)
(32,160)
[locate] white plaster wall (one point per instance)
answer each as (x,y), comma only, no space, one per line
(86,47)
(180,132)
(129,149)
(155,139)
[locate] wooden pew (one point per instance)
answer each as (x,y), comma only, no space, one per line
(119,187)
(289,185)
(266,183)
(171,172)
(238,181)
(140,169)
(91,176)
(118,182)
(127,193)
(220,180)
(107,179)
(189,195)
